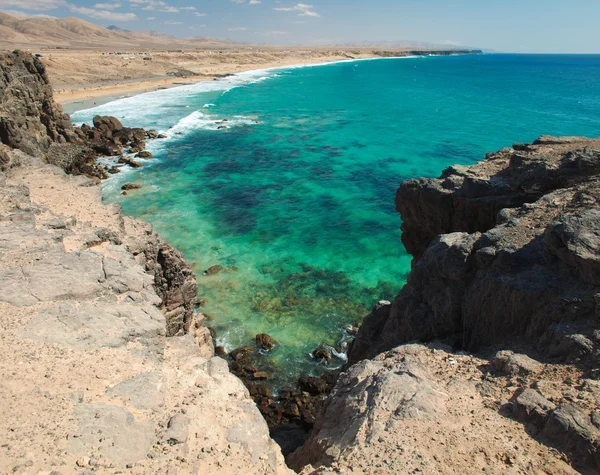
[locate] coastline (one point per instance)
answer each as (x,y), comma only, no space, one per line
(86,98)
(76,100)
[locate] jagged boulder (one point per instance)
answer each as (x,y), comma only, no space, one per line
(107,125)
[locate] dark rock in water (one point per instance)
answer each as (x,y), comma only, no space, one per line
(106,124)
(213,270)
(128,161)
(131,186)
(220,352)
(321,354)
(152,134)
(264,391)
(144,154)
(161,136)
(265,342)
(108,149)
(242,353)
(314,386)
(260,376)
(222,127)
(137,147)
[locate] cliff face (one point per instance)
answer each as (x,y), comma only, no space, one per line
(30,120)
(507,256)
(111,370)
(506,251)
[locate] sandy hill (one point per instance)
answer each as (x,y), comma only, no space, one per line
(76,33)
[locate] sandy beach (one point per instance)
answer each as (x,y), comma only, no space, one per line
(83,79)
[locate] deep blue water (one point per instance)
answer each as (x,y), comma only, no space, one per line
(296,196)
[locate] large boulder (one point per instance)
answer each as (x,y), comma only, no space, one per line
(107,124)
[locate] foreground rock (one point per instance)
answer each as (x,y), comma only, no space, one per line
(506,249)
(93,381)
(424,409)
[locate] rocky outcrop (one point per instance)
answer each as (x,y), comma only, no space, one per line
(93,383)
(426,409)
(505,251)
(30,120)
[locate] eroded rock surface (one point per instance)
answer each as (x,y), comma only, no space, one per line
(30,120)
(426,409)
(94,382)
(505,251)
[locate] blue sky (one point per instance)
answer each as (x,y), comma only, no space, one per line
(504,25)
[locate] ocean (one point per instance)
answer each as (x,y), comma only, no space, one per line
(287,177)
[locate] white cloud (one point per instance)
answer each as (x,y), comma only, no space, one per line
(35,5)
(303,9)
(199,14)
(275,33)
(20,14)
(103,14)
(107,6)
(147,4)
(187,8)
(237,28)
(254,2)
(151,18)
(171,22)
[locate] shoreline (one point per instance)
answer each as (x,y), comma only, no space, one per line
(89,98)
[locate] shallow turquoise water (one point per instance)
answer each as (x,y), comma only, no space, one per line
(296,196)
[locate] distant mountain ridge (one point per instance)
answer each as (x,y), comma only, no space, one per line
(37,32)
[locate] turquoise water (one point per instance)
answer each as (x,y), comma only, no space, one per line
(296,197)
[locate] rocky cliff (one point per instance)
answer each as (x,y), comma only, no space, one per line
(506,263)
(111,369)
(30,120)
(506,251)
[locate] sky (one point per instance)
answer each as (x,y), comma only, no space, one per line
(546,26)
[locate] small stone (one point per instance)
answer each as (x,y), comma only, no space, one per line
(177,430)
(131,186)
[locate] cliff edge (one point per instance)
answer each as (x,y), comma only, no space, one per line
(108,367)
(507,267)
(506,251)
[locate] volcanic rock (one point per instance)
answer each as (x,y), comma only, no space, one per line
(265,342)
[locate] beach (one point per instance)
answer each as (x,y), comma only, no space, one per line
(83,79)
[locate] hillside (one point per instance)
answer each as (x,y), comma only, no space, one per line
(38,32)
